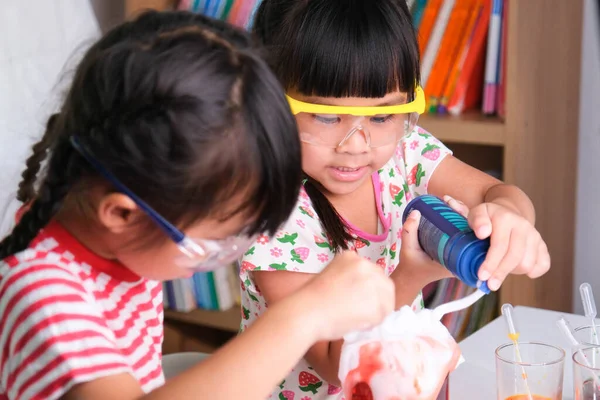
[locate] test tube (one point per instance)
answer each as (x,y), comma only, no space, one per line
(589,307)
(565,328)
(507,312)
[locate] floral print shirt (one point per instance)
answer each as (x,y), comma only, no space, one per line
(302,245)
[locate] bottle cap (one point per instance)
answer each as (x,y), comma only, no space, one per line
(464,255)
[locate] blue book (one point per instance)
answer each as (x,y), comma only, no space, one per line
(418,9)
(202,291)
(170,295)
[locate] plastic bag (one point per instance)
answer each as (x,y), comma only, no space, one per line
(407,357)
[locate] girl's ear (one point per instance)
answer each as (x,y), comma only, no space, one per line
(117,212)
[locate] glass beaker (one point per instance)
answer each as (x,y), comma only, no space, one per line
(588,335)
(531,368)
(586,372)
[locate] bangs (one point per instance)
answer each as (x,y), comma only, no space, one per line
(347,48)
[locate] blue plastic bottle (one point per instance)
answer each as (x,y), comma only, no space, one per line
(446,237)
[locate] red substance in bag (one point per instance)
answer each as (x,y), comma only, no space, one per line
(362,391)
(408,357)
(370,363)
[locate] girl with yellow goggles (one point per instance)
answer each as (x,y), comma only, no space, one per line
(351,69)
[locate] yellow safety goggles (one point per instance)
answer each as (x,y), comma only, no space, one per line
(333,126)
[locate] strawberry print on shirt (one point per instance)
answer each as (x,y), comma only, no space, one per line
(302,246)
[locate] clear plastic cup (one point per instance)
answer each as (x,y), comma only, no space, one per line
(587,335)
(540,369)
(586,365)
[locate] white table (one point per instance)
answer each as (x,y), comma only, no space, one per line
(175,364)
(475,379)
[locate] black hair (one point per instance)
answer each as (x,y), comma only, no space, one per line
(339,48)
(183,111)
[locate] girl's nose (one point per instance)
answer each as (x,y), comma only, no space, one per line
(357,141)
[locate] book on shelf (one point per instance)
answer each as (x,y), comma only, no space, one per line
(465,322)
(463,54)
(236,12)
(215,291)
(462,45)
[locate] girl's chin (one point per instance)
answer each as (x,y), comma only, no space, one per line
(344,188)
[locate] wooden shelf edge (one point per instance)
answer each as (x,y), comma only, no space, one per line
(225,320)
(471,128)
(133,7)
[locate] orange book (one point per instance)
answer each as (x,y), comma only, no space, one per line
(463,47)
(447,51)
(469,86)
(235,9)
(427,23)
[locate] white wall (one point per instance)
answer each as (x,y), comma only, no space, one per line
(39,46)
(587,235)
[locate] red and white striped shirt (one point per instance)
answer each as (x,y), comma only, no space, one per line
(68,316)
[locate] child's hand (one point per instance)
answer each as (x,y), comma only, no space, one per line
(516,246)
(350,294)
(414,263)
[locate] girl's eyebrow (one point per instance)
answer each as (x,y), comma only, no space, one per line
(398,99)
(395,101)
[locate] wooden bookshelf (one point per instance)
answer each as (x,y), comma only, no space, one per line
(542,126)
(538,139)
(228,321)
(536,145)
(471,128)
(133,7)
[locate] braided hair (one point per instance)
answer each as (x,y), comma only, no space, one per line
(183,111)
